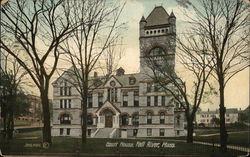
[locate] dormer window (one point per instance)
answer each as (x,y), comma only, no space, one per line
(132,80)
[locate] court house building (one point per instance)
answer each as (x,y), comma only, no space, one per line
(125,105)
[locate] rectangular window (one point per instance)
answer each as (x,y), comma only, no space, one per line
(112,94)
(162,118)
(69,103)
(61,103)
(135,131)
(61,91)
(149,86)
(109,93)
(125,99)
(65,103)
(149,118)
(65,90)
(155,100)
(89,132)
(100,99)
(163,100)
(61,131)
(148,101)
(149,132)
(90,101)
(136,98)
(69,91)
(68,131)
(115,95)
(156,87)
(162,121)
(178,132)
(162,132)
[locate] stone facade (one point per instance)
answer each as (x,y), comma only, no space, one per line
(125,105)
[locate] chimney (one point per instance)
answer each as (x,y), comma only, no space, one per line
(95,74)
(208,110)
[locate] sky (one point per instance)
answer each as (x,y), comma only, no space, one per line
(237,91)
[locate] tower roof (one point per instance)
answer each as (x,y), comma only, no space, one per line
(172,14)
(143,19)
(158,16)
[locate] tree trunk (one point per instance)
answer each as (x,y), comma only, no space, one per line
(190,130)
(4,112)
(223,133)
(10,124)
(46,116)
(84,118)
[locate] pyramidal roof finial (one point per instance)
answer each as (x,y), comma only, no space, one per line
(172,14)
(143,19)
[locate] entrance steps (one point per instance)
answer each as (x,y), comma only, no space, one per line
(103,133)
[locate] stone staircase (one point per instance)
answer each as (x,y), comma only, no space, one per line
(103,133)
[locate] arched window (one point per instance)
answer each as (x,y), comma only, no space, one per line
(65,119)
(135,119)
(162,118)
(156,51)
(149,118)
(89,120)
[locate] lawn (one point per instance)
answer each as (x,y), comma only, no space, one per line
(23,143)
(213,130)
(234,138)
(23,123)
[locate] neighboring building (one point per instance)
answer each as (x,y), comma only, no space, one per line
(126,105)
(35,106)
(35,109)
(206,117)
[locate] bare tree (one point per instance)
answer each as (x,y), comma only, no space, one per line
(99,31)
(225,24)
(38,28)
(11,78)
(191,53)
(111,57)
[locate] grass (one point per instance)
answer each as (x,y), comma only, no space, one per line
(238,139)
(22,123)
(97,146)
(234,138)
(213,130)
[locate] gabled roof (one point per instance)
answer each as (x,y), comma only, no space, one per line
(158,16)
(108,104)
(124,79)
